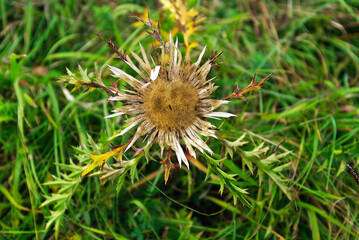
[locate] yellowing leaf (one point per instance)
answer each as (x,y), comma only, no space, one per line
(29,100)
(192,45)
(143,16)
(342,168)
(91,89)
(75,88)
(100,160)
(187,20)
(168,166)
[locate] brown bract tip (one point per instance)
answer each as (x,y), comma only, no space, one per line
(238,93)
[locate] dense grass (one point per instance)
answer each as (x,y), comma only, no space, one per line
(311,100)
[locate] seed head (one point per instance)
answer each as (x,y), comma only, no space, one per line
(170,101)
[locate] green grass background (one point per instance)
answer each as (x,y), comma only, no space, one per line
(311,100)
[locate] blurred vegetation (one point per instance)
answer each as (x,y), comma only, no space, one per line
(311,102)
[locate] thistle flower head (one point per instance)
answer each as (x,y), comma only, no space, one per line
(170,101)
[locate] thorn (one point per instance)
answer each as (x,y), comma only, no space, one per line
(254,78)
(103,163)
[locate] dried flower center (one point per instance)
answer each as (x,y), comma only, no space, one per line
(171,105)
